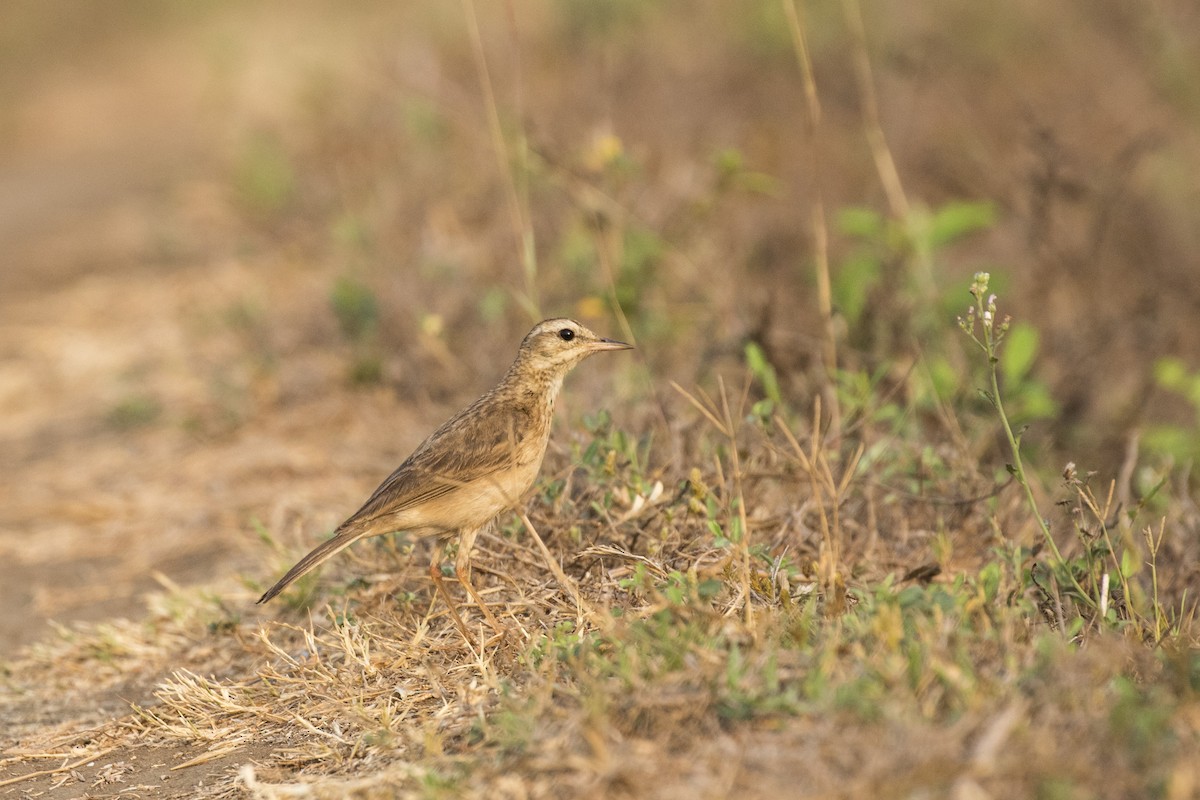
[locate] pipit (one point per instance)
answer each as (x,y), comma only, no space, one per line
(478,464)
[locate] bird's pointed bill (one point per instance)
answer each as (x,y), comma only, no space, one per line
(610,344)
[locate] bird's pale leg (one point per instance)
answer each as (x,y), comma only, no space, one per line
(435,573)
(462,568)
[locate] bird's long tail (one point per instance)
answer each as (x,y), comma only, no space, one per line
(319,555)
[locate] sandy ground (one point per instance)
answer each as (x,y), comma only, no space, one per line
(133,445)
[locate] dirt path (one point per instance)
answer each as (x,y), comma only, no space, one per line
(135,447)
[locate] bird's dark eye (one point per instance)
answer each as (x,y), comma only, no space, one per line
(566,334)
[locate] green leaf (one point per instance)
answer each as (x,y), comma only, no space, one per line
(729,162)
(756,360)
(763,410)
(944,377)
(264,177)
(861,223)
(1020,350)
(1171,440)
(493,304)
(1171,373)
(1035,402)
(989,580)
(355,307)
(761,183)
(853,280)
(955,220)
(1130,565)
(735,529)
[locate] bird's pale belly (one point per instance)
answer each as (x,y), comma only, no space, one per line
(476,503)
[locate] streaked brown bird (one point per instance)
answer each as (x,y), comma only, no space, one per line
(478,464)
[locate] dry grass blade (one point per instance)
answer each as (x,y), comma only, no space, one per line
(585,610)
(518,211)
(212,755)
(817,221)
(710,414)
(64,768)
(610,551)
(885,165)
(370,786)
(739,500)
(828,495)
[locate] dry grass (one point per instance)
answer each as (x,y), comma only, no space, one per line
(731,625)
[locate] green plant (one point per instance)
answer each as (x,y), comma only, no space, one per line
(1118,558)
(1028,398)
(135,411)
(264,178)
(357,311)
(732,173)
(892,268)
(984,327)
(614,450)
(764,373)
(1180,442)
(356,308)
(892,293)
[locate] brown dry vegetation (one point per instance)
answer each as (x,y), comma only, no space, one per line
(252,255)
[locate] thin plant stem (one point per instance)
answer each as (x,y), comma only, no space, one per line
(739,498)
(812,128)
(518,212)
(989,341)
(1014,446)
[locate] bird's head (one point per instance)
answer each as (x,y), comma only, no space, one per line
(557,345)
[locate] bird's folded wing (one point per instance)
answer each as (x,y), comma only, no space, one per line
(469,447)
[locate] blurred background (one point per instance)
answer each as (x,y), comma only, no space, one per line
(251,254)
